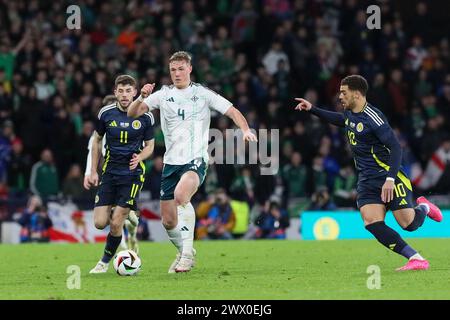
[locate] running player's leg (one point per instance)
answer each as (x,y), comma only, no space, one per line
(131,224)
(186,188)
(129,188)
(170,222)
(410,218)
(169,216)
(373,216)
(104,200)
(116,230)
(101,216)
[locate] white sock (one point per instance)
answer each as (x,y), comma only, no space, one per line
(131,229)
(123,242)
(417,256)
(187,227)
(175,236)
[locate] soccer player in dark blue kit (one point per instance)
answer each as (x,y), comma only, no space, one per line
(382,184)
(123,170)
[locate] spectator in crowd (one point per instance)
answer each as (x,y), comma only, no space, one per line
(35,222)
(344,194)
(273,58)
(73,183)
(19,167)
(319,176)
(321,200)
(5,147)
(272,222)
(219,221)
(44,177)
(242,187)
(295,176)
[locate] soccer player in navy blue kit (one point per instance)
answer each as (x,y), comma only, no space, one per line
(382,184)
(123,169)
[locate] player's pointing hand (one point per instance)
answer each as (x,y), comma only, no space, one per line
(303,105)
(249,136)
(147,89)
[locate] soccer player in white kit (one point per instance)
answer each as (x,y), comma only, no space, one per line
(185,112)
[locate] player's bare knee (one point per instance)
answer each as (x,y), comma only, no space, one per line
(181,199)
(100,224)
(169,225)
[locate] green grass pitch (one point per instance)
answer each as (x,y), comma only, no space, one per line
(230,270)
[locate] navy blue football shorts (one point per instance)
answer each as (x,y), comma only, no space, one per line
(118,190)
(369,192)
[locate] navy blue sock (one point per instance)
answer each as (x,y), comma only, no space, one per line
(419,218)
(112,243)
(390,239)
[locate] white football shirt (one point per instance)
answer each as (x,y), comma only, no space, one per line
(185,118)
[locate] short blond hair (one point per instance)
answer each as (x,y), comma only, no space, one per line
(181,56)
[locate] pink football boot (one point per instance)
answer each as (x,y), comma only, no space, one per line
(435,213)
(415,264)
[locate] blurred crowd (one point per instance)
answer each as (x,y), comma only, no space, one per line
(258,54)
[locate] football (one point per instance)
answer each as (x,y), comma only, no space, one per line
(127,263)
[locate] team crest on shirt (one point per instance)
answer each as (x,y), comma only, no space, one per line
(359,127)
(96,198)
(136,124)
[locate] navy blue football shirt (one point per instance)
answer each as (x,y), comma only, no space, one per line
(124,136)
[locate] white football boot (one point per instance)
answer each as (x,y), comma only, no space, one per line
(186,263)
(173,266)
(101,267)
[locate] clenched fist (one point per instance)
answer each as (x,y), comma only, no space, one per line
(147,89)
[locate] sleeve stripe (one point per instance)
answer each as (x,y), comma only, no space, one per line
(152,119)
(106,108)
(373,116)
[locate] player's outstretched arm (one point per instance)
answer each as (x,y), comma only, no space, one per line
(335,118)
(237,117)
(138,107)
(144,154)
